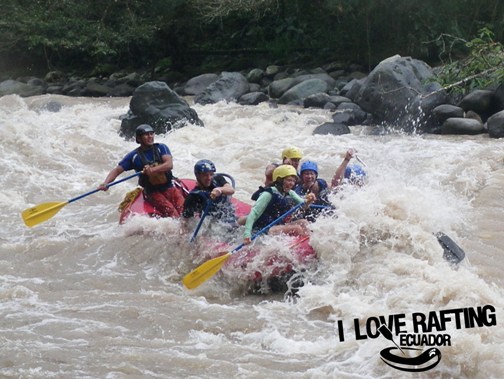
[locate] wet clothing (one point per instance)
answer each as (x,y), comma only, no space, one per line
(158,188)
(322,199)
(270,205)
(169,202)
(221,208)
(138,159)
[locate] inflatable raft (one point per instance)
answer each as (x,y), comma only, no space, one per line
(253,264)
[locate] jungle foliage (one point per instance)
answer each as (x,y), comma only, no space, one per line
(195,36)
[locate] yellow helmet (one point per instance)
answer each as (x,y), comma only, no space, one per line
(283,171)
(292,152)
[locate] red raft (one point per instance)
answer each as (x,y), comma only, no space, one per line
(255,265)
(137,205)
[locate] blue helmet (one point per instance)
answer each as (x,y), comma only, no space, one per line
(309,165)
(355,172)
(203,165)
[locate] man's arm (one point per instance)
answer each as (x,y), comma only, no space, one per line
(166,166)
(114,173)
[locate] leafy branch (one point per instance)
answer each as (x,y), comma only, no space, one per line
(480,68)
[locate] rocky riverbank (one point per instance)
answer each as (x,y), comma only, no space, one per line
(399,93)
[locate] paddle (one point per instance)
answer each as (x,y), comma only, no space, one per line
(451,251)
(203,215)
(208,269)
(385,332)
(360,160)
(42,212)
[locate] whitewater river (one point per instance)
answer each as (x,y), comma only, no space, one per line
(83,297)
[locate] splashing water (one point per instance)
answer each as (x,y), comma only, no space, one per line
(85,297)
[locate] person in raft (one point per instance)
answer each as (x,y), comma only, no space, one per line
(210,187)
(311,183)
(290,156)
(155,162)
(275,200)
(353,174)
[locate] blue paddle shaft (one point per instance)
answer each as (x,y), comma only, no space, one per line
(269,226)
(209,203)
(108,185)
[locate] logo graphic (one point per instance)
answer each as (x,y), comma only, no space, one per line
(423,361)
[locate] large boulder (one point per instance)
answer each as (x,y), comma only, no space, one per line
(253,98)
(468,126)
(230,86)
(331,128)
(156,104)
(303,90)
(419,114)
(198,84)
(495,125)
(483,102)
(16,87)
(444,111)
(390,89)
(279,87)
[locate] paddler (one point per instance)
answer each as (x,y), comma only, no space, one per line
(155,162)
(275,200)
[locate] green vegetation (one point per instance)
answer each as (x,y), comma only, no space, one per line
(481,67)
(195,36)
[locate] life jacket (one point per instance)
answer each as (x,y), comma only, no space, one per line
(322,194)
(312,213)
(278,205)
(157,181)
(221,208)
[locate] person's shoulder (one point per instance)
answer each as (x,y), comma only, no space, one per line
(130,155)
(163,148)
(220,180)
(322,183)
(272,190)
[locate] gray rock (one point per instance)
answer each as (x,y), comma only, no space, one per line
(279,87)
(302,90)
(255,75)
(95,89)
(229,87)
(15,87)
(121,90)
(272,70)
(156,104)
(495,125)
(483,102)
(391,87)
(253,98)
(444,111)
(198,84)
(467,126)
(337,100)
(331,128)
(349,117)
(317,100)
(352,88)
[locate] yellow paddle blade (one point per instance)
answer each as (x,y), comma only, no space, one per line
(41,212)
(204,271)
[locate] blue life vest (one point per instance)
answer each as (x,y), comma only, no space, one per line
(221,208)
(278,205)
(311,213)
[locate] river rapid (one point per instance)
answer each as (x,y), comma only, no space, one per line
(84,297)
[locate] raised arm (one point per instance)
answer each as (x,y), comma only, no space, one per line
(340,171)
